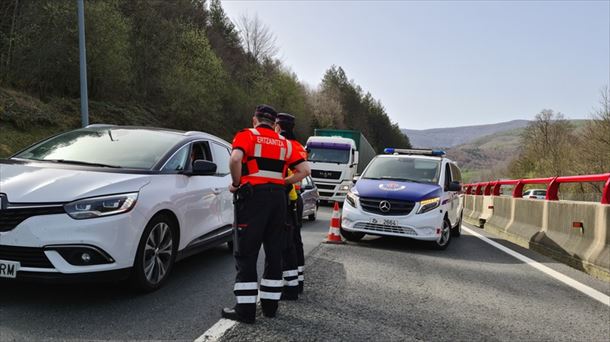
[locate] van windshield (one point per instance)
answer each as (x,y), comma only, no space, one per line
(403,169)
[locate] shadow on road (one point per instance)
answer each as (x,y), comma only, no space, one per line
(193,296)
(466,247)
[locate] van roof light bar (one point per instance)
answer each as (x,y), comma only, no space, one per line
(421,152)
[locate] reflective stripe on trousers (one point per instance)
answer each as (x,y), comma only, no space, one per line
(291,278)
(245,292)
(271,289)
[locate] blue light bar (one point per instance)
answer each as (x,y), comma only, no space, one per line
(421,152)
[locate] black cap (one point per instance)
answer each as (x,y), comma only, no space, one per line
(285,117)
(266,111)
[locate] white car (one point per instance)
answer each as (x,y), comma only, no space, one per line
(113,202)
(408,193)
(535,194)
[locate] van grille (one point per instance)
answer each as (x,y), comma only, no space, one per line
(396,207)
(375,227)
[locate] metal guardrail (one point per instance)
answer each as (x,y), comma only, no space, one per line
(493,188)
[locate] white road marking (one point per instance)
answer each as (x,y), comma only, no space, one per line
(217,330)
(591,292)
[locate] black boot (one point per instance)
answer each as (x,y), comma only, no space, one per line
(289,295)
(233,315)
(269,314)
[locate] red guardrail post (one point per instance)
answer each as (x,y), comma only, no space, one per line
(478,189)
(518,189)
(488,186)
(552,190)
(468,188)
(606,192)
(497,189)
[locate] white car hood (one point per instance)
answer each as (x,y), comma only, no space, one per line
(43,183)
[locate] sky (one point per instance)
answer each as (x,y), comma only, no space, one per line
(449,63)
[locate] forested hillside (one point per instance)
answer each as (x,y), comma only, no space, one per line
(181,64)
(488,157)
(454,136)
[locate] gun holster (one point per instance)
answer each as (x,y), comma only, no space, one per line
(244,192)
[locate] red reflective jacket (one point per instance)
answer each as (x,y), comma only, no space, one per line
(267,155)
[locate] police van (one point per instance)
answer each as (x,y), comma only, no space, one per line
(409,193)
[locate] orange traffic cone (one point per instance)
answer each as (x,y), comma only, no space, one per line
(334,234)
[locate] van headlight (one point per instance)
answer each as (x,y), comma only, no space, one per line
(352,199)
(429,204)
(101,206)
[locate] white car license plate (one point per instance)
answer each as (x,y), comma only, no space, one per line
(8,269)
(385,222)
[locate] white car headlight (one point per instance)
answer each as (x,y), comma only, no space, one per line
(345,187)
(101,206)
(352,199)
(429,204)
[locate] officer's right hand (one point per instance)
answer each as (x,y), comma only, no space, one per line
(233,188)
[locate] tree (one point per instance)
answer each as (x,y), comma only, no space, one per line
(547,147)
(256,38)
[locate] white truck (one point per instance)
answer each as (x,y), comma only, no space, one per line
(336,156)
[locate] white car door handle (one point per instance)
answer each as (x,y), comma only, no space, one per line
(216,191)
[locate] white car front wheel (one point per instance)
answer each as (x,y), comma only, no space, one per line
(156,254)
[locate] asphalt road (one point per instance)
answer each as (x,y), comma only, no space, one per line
(187,306)
(378,289)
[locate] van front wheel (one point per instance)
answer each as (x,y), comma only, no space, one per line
(445,238)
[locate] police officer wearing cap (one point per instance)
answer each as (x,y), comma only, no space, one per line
(292,256)
(258,165)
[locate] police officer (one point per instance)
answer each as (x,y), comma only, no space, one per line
(293,256)
(258,166)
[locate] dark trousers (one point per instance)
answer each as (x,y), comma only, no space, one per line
(261,221)
(289,254)
(298,243)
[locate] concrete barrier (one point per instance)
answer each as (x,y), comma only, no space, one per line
(477,209)
(468,205)
(503,213)
(547,227)
(486,210)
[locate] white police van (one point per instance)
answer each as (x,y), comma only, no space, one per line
(408,193)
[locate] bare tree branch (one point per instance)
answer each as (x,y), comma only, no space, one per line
(256,38)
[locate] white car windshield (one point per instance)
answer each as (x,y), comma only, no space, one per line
(106,147)
(404,169)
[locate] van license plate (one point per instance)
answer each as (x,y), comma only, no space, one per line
(8,269)
(385,222)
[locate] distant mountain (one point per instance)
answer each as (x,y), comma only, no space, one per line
(453,136)
(488,156)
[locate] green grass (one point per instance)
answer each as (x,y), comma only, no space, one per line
(25,120)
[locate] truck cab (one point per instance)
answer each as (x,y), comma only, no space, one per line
(333,161)
(336,156)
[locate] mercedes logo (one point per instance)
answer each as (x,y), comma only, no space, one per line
(384,206)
